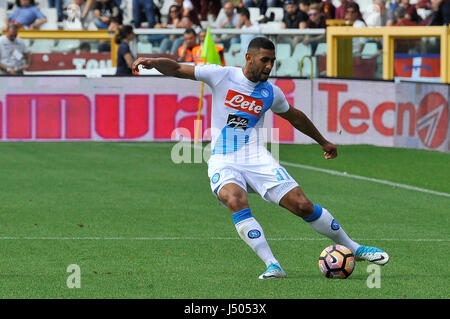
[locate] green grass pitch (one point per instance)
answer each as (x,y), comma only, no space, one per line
(140,226)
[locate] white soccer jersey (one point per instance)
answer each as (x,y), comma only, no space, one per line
(238,107)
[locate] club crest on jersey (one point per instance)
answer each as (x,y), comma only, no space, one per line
(244,103)
(264,92)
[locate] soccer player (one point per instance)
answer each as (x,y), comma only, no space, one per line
(240,162)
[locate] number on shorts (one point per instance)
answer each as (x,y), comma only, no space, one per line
(281,174)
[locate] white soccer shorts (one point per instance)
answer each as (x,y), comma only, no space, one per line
(266,177)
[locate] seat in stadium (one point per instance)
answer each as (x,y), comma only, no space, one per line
(369,50)
(66,45)
(144,47)
(254,15)
(42,46)
(234,47)
(278,12)
(52,19)
(239,59)
(301,50)
(283,50)
(2,18)
(321,49)
(288,67)
(270,26)
(229,59)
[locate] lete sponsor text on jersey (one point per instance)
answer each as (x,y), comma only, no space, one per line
(244,103)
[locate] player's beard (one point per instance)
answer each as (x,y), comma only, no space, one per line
(260,75)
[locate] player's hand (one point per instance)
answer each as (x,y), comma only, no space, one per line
(147,63)
(329,150)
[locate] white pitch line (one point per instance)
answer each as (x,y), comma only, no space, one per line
(217,238)
(368,179)
(345,174)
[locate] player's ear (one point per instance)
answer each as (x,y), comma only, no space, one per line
(248,57)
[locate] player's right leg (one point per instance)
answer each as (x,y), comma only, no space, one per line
(248,228)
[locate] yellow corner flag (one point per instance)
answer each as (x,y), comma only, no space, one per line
(209,52)
(210,56)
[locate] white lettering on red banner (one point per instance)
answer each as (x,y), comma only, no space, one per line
(244,103)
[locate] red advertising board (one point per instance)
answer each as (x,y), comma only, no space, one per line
(153,108)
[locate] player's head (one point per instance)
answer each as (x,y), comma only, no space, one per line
(190,38)
(260,58)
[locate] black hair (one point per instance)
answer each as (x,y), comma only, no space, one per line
(31,3)
(169,18)
(244,11)
(190,31)
(124,31)
(260,43)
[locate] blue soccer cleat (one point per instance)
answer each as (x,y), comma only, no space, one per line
(372,254)
(273,271)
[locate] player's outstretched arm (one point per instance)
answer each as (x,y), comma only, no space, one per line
(166,66)
(301,122)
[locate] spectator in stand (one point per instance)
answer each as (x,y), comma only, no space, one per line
(206,7)
(423,4)
(107,15)
(354,17)
(26,15)
(410,11)
(197,51)
(188,11)
(79,14)
(85,47)
(144,7)
(230,20)
(440,14)
(261,4)
(190,42)
(58,4)
(390,12)
(125,58)
(170,44)
(340,11)
(377,17)
(87,10)
(304,6)
(14,56)
(326,8)
(316,20)
(245,24)
(293,17)
(403,19)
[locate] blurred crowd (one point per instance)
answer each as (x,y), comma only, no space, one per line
(109,14)
(125,16)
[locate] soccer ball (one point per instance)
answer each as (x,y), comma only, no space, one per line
(336,262)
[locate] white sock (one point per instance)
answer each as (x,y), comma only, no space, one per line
(324,223)
(252,233)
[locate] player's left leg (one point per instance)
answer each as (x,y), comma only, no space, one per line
(324,223)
